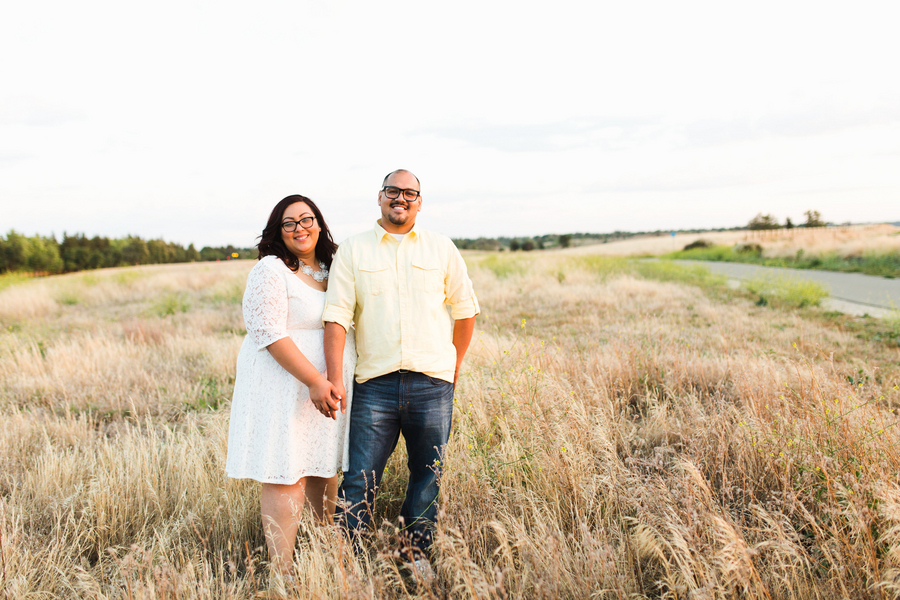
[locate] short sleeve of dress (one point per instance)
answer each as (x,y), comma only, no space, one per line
(265,304)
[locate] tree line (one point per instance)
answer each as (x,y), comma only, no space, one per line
(554,240)
(42,254)
(761,221)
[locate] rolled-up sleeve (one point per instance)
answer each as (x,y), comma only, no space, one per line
(340,299)
(458,288)
(265,305)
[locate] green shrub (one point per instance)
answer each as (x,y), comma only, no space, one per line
(698,244)
(749,248)
(716,253)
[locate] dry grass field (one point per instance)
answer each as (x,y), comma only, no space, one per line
(854,240)
(616,436)
(843,241)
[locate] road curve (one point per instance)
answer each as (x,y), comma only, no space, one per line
(867,290)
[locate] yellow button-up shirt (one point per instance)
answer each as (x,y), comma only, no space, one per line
(395,293)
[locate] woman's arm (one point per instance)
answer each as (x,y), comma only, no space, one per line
(265,308)
(288,355)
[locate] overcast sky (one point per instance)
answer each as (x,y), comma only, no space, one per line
(190,120)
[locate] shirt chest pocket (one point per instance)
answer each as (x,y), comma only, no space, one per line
(374,279)
(427,277)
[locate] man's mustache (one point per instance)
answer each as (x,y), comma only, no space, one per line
(403,204)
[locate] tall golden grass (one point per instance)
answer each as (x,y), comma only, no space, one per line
(615,437)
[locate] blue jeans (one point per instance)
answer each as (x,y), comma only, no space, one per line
(419,407)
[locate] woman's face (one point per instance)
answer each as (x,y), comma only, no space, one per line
(302,241)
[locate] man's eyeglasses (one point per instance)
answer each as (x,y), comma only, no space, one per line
(394,192)
(305,223)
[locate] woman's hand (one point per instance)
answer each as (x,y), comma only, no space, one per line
(326,398)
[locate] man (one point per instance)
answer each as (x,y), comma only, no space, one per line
(393,284)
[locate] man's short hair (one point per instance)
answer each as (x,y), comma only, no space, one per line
(386,177)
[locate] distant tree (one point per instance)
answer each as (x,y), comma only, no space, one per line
(788,224)
(565,240)
(813,219)
(514,244)
(22,253)
(528,245)
(134,251)
(484,244)
(16,251)
(762,221)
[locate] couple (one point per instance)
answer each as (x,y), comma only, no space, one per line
(364,322)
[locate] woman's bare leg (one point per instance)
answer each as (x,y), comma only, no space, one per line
(281,507)
(321,493)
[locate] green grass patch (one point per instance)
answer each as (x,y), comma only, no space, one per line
(605,265)
(171,304)
(885,330)
(786,291)
(128,277)
(11,279)
(210,393)
(883,264)
(67,296)
(891,328)
(503,265)
(666,270)
(230,293)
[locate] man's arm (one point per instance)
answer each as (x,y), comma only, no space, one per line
(335,337)
(340,304)
(462,335)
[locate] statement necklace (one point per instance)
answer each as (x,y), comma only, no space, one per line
(320,275)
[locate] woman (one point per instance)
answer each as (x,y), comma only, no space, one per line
(288,429)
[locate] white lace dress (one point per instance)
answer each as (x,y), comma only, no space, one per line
(276,435)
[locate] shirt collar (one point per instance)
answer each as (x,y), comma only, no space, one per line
(380,232)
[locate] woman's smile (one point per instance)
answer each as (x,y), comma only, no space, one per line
(302,241)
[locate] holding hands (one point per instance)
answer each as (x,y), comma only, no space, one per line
(328,397)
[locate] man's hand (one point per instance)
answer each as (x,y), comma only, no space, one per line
(326,398)
(335,337)
(338,392)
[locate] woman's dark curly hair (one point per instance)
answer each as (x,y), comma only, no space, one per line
(270,242)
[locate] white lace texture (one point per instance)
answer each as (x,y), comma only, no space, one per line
(276,435)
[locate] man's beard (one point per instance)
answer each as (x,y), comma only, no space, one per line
(398,219)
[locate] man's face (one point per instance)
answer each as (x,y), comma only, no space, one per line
(399,214)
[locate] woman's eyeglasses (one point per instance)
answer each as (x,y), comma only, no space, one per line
(291,226)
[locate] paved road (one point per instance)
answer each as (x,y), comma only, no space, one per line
(856,288)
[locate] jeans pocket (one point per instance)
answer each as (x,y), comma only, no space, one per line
(436,381)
